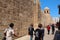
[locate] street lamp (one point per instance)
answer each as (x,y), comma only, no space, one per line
(59,11)
(59,17)
(59,8)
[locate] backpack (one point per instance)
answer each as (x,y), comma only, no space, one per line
(30,30)
(38,33)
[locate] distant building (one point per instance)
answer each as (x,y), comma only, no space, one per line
(55,19)
(45,17)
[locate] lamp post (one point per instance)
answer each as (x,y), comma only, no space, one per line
(59,11)
(59,8)
(59,16)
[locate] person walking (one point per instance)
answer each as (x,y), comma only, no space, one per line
(53,28)
(42,29)
(48,29)
(38,33)
(9,32)
(57,33)
(30,31)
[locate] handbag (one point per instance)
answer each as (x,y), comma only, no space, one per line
(4,38)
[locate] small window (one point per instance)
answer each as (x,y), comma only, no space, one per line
(44,11)
(47,11)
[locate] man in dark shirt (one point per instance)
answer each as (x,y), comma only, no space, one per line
(53,28)
(30,31)
(38,33)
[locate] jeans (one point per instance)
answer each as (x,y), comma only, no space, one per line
(48,32)
(31,37)
(42,38)
(36,38)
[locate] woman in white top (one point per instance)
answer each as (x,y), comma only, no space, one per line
(9,32)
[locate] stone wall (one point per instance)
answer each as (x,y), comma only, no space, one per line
(18,12)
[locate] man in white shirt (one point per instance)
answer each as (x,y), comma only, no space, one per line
(9,32)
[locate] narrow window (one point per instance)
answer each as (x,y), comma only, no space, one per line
(47,11)
(44,11)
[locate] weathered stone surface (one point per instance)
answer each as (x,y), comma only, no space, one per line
(18,12)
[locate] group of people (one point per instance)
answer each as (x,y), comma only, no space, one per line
(49,27)
(57,33)
(39,32)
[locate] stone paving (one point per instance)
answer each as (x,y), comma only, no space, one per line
(46,37)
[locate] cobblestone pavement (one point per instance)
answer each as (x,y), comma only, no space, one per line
(46,37)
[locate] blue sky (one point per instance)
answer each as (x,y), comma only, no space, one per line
(52,5)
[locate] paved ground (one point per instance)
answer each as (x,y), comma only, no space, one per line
(46,37)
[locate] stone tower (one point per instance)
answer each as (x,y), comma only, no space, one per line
(46,10)
(47,20)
